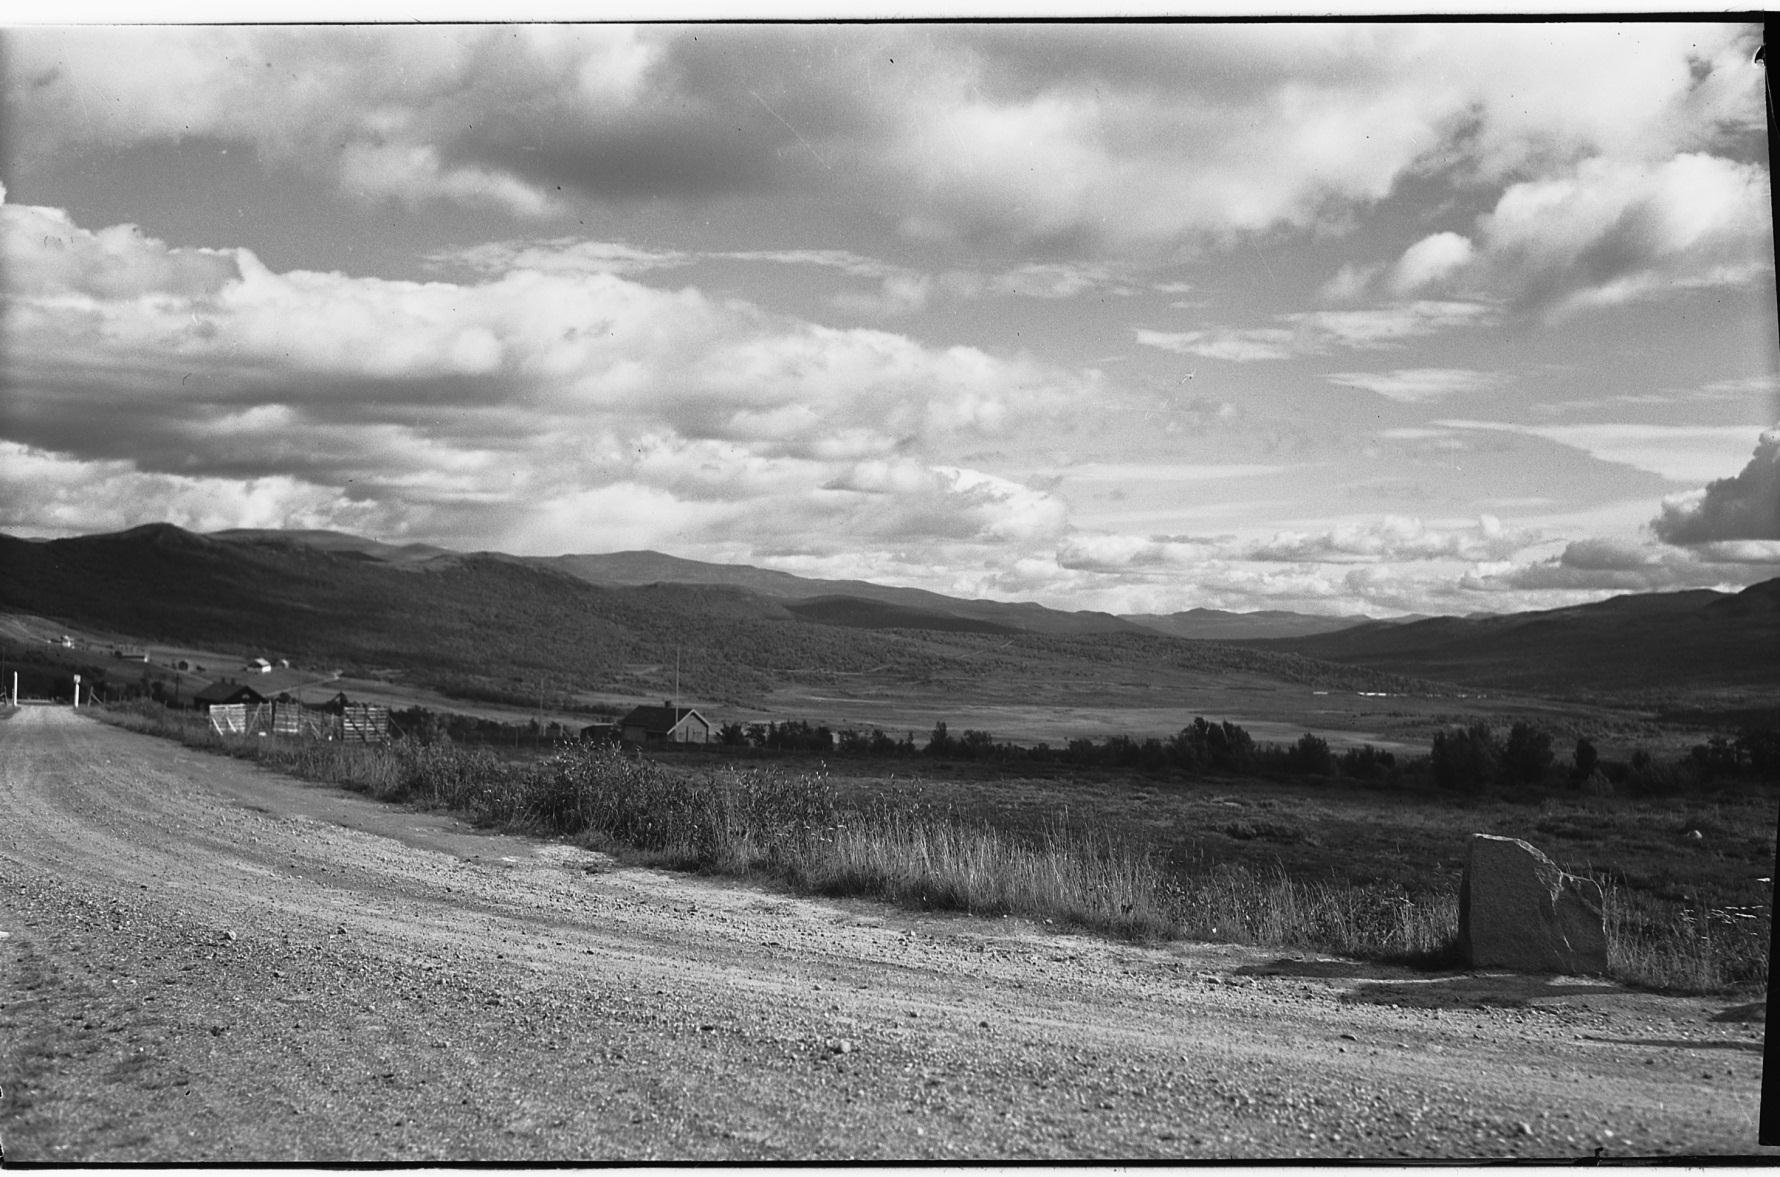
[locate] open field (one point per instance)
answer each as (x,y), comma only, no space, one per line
(1031,711)
(1310,864)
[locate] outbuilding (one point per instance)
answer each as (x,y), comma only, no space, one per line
(665,725)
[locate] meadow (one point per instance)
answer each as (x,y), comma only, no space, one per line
(1312,865)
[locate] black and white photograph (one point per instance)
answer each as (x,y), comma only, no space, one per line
(974,590)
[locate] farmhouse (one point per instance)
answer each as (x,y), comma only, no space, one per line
(224,692)
(665,725)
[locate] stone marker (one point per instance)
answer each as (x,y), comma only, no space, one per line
(1519,910)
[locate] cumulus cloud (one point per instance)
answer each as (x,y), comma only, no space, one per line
(1743,507)
(1116,138)
(1383,542)
(1599,232)
(1091,551)
(49,494)
(1612,232)
(46,253)
(1588,570)
(528,392)
(1394,538)
(1429,262)
(1131,574)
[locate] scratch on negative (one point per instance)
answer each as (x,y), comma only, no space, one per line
(789,127)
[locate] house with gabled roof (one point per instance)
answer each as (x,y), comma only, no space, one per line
(224,692)
(665,724)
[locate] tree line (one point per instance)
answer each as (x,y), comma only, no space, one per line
(1470,758)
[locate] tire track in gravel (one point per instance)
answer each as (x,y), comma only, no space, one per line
(211,962)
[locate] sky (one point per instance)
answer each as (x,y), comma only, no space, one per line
(1336,318)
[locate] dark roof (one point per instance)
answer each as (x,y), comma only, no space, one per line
(227,692)
(657,719)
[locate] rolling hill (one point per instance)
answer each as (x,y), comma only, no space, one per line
(839,602)
(489,626)
(1637,646)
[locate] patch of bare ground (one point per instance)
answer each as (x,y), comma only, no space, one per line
(211,962)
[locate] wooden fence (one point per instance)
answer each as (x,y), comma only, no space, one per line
(358,723)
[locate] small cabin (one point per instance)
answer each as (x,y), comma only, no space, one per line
(666,724)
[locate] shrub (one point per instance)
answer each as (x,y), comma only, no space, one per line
(1367,763)
(1310,756)
(1465,759)
(1527,756)
(1585,760)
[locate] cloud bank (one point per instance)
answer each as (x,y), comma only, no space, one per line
(607,408)
(1109,138)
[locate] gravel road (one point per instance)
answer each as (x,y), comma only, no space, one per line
(207,962)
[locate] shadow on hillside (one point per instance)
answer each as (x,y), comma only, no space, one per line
(1754,1011)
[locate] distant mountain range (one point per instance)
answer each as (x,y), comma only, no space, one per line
(472,622)
(493,627)
(857,603)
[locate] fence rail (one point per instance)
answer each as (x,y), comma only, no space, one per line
(365,723)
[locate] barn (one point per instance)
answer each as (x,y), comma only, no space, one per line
(665,725)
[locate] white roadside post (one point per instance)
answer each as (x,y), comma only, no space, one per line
(77,692)
(15,688)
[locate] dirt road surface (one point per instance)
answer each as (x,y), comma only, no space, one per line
(205,961)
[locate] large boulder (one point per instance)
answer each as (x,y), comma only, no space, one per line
(1519,910)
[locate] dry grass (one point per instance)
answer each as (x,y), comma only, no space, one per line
(925,861)
(1099,875)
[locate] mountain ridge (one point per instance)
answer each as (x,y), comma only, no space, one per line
(486,626)
(483,615)
(903,607)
